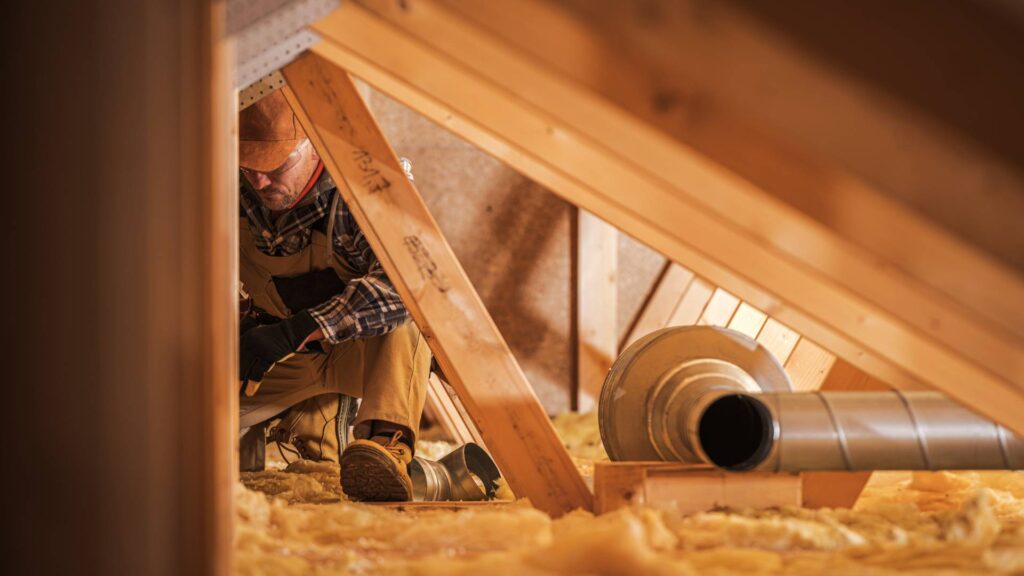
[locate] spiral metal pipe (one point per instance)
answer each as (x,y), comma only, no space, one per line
(711,395)
(795,432)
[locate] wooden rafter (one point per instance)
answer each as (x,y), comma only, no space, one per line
(434,287)
(903,326)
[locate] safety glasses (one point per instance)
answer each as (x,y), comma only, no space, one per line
(289,163)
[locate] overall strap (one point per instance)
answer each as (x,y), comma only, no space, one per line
(330,219)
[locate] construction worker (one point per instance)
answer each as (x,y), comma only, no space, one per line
(337,327)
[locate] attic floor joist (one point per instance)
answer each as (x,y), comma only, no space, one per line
(903,327)
(434,287)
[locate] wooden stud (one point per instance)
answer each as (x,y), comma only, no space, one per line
(887,320)
(748,320)
(596,304)
(687,489)
(693,303)
(778,339)
(720,309)
(808,365)
(434,287)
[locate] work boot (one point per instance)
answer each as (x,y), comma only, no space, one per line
(316,428)
(376,470)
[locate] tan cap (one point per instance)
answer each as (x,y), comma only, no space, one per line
(268,131)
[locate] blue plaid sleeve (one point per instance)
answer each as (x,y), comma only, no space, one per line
(369,306)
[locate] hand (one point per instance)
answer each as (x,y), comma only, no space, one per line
(260,348)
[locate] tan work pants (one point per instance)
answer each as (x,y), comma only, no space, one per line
(388,372)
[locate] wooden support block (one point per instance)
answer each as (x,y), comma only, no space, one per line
(688,489)
(833,489)
(434,287)
(597,335)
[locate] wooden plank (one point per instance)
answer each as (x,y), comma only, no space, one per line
(748,320)
(808,365)
(687,489)
(863,128)
(889,322)
(597,336)
(662,302)
(434,287)
(449,417)
(720,309)
(692,304)
(778,339)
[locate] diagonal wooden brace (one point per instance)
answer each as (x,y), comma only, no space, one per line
(434,287)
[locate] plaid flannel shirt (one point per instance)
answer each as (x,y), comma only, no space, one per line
(369,305)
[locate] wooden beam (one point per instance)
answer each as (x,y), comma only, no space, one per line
(597,333)
(434,287)
(671,72)
(898,326)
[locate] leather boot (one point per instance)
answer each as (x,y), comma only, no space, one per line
(317,428)
(376,470)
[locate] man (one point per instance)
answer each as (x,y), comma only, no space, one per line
(338,326)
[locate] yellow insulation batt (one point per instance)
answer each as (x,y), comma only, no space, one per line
(295,521)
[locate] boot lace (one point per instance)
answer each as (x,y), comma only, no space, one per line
(395,446)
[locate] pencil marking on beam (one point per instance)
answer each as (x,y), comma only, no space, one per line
(425,264)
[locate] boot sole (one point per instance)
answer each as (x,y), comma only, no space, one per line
(368,475)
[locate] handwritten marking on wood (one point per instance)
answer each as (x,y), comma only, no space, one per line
(426,265)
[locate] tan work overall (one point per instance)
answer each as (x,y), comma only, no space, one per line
(388,372)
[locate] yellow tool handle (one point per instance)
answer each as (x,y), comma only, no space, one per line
(252,386)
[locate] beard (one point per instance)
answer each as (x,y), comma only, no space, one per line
(276,197)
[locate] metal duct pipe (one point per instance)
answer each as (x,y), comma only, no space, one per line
(794,432)
(700,394)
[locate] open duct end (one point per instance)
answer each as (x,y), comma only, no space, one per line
(736,432)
